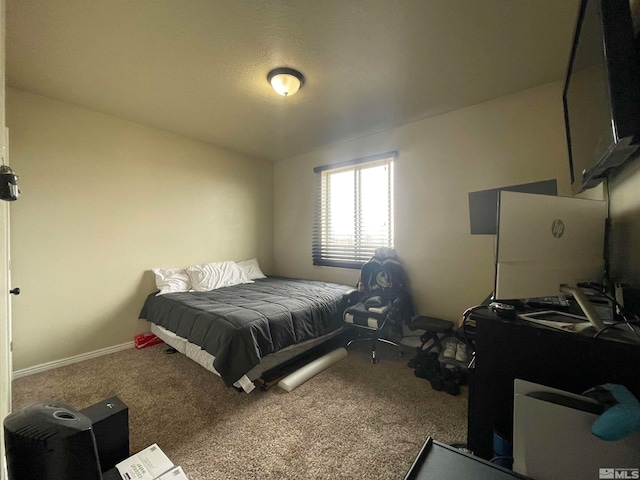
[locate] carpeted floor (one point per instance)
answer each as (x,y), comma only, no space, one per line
(355,420)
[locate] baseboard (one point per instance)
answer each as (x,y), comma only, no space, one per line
(68,361)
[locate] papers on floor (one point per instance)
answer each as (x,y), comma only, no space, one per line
(150,464)
(174,474)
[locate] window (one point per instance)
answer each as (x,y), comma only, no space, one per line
(354,211)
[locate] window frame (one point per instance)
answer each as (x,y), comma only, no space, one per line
(361,252)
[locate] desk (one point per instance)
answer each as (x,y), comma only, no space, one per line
(510,349)
(437,461)
(112,474)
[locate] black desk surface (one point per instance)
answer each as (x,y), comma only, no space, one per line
(509,349)
(620,333)
(112,474)
(442,462)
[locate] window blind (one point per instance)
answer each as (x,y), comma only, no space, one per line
(354,211)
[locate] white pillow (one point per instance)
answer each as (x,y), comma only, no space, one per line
(210,276)
(252,269)
(169,280)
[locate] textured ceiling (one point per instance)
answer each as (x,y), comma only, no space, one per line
(198,67)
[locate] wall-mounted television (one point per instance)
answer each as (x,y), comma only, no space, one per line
(602,92)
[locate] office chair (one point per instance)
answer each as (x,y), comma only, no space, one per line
(383,302)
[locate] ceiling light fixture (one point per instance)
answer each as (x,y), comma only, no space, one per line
(285,81)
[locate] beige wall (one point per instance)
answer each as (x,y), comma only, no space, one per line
(104,201)
(511,140)
(624,207)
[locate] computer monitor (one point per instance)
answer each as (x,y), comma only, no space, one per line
(547,245)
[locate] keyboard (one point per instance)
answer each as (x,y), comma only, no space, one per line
(548,302)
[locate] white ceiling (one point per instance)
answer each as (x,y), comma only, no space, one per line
(198,67)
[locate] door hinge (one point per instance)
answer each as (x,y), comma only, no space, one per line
(11,346)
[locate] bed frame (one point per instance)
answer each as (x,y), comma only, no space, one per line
(273,367)
(259,332)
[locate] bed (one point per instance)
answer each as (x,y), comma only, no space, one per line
(241,331)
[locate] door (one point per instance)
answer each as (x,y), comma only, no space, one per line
(5,313)
(5,326)
(5,304)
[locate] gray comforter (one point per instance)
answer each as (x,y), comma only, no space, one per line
(241,324)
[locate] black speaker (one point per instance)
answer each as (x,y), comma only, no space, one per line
(48,441)
(110,422)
